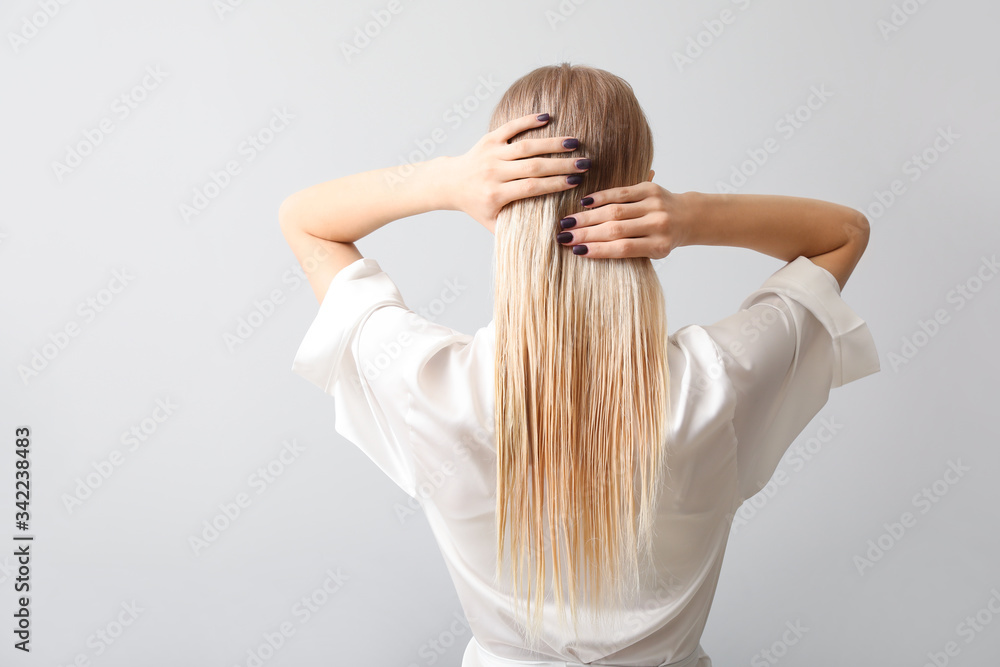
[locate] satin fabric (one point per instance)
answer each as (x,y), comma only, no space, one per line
(477,656)
(417,397)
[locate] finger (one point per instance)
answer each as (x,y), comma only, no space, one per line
(542,166)
(533,187)
(629,193)
(609,231)
(512,128)
(596,216)
(529,147)
(617,249)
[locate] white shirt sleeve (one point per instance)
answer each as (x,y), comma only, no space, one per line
(792,341)
(367,349)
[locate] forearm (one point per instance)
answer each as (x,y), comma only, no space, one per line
(349,208)
(776,225)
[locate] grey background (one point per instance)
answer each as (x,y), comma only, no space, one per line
(162,336)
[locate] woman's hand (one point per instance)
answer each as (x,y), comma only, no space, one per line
(642,220)
(495,172)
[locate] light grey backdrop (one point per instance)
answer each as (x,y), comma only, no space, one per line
(130,264)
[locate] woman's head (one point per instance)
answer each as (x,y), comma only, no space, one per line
(582,384)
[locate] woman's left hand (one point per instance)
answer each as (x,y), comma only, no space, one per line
(495,172)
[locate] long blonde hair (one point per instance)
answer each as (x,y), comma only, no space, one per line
(582,383)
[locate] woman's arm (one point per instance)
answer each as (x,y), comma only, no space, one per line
(830,235)
(647,220)
(348,209)
(322,222)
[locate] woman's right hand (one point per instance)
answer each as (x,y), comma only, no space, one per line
(642,220)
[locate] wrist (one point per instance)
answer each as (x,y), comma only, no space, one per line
(693,218)
(441,171)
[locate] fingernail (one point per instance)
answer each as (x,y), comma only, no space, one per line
(583,163)
(574,179)
(566,223)
(571,143)
(564,237)
(543,116)
(586,201)
(579,250)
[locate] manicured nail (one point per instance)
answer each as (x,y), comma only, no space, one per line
(564,237)
(571,143)
(566,223)
(579,250)
(574,179)
(543,116)
(583,163)
(586,201)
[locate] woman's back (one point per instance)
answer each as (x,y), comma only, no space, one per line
(742,390)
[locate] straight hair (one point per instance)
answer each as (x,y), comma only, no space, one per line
(582,383)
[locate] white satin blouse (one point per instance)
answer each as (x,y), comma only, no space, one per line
(417,397)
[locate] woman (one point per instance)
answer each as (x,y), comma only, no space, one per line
(573,420)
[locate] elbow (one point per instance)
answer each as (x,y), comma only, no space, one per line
(286,215)
(860,230)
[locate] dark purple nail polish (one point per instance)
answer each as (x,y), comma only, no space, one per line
(543,116)
(579,250)
(586,201)
(564,237)
(574,179)
(583,163)
(566,223)
(571,143)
